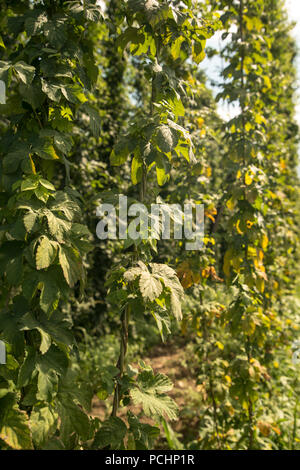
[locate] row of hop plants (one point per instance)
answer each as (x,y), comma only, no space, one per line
(103,101)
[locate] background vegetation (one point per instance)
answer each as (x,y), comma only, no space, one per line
(107,98)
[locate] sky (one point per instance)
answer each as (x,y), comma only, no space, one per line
(293,7)
(213,66)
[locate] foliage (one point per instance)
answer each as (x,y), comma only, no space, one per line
(108,99)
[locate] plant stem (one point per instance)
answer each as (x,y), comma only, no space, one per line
(121,360)
(210,379)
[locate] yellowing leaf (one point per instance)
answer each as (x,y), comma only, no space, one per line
(237,226)
(210,212)
(176,47)
(205,273)
(32,165)
(276,429)
(252,253)
(136,170)
(260,284)
(264,242)
(1,42)
(249,22)
(230,204)
(282,164)
(267,81)
(259,119)
(248,179)
(200,122)
(15,430)
(208,172)
(265,428)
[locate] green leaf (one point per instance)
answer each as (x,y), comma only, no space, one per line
(74,94)
(54,359)
(50,295)
(198,51)
(73,419)
(178,106)
(150,287)
(136,170)
(45,341)
(35,22)
(150,393)
(95,122)
(43,421)
(163,322)
(161,174)
(12,160)
(72,386)
(14,271)
(15,430)
(52,91)
(119,154)
(32,94)
(71,264)
(144,434)
(169,277)
(47,384)
(57,226)
(47,184)
(58,328)
(133,273)
(166,139)
(29,184)
(5,71)
(1,42)
(45,253)
(27,368)
(63,143)
(25,72)
(176,47)
(112,433)
(46,150)
(51,364)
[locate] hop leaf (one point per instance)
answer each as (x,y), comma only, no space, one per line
(112,432)
(15,430)
(150,287)
(45,253)
(150,393)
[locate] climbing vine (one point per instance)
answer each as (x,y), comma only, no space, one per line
(106,99)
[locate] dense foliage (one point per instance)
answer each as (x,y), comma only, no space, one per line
(108,98)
